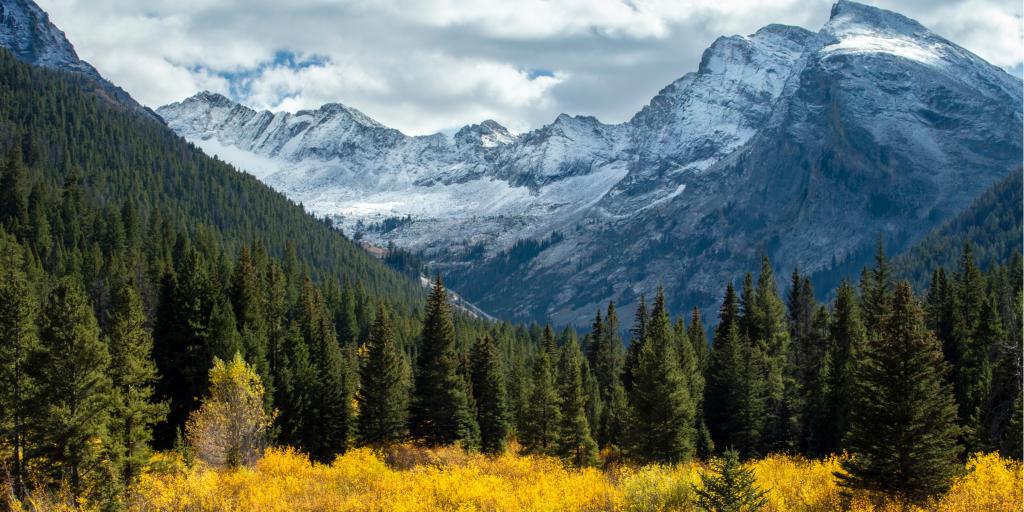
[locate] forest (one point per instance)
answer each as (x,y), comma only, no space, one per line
(172,330)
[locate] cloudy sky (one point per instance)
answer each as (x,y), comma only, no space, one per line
(429,65)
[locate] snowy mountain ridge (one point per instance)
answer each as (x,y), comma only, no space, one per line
(802,145)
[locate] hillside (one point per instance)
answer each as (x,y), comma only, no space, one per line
(992,225)
(66,131)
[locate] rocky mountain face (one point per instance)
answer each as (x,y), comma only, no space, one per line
(804,146)
(27,32)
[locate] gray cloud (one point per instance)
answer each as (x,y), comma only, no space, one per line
(425,66)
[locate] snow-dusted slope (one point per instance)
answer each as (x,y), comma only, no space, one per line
(802,145)
(27,32)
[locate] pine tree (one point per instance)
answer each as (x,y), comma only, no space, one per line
(492,410)
(698,338)
(14,207)
(75,392)
(383,393)
(245,293)
(971,348)
(638,336)
(847,343)
(729,487)
(770,335)
(539,432)
(575,443)
(133,375)
(18,345)
(439,413)
(605,361)
(663,412)
(876,290)
(328,427)
(903,421)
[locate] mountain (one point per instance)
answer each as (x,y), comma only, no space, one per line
(805,146)
(992,225)
(27,32)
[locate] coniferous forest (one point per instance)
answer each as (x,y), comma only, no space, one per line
(160,309)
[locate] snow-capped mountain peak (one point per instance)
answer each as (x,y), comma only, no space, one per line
(802,145)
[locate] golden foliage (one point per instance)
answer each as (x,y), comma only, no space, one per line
(447,479)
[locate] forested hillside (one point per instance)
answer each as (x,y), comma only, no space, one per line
(992,225)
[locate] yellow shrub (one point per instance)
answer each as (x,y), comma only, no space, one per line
(447,479)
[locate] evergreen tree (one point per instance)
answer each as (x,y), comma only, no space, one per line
(492,410)
(876,290)
(903,423)
(698,338)
(664,413)
(246,295)
(75,393)
(328,427)
(729,487)
(638,336)
(14,207)
(971,348)
(847,343)
(18,345)
(770,334)
(383,393)
(605,361)
(133,375)
(574,441)
(540,429)
(440,412)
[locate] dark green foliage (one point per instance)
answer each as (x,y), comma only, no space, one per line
(133,375)
(663,412)
(729,487)
(575,443)
(384,387)
(492,410)
(540,429)
(75,397)
(604,354)
(847,343)
(440,412)
(329,424)
(903,423)
(18,344)
(992,225)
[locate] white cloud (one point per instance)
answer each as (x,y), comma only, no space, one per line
(429,65)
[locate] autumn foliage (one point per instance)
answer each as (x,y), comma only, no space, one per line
(411,479)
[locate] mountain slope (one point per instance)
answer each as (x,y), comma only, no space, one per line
(806,146)
(992,224)
(27,32)
(162,175)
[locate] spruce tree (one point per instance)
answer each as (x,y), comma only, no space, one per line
(492,409)
(605,361)
(383,393)
(663,411)
(903,421)
(847,343)
(540,429)
(75,393)
(971,348)
(328,427)
(133,375)
(770,334)
(729,487)
(19,344)
(575,443)
(440,412)
(638,334)
(698,338)
(876,290)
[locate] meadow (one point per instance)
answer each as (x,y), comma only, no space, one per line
(407,478)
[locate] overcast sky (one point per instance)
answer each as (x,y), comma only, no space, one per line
(424,66)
